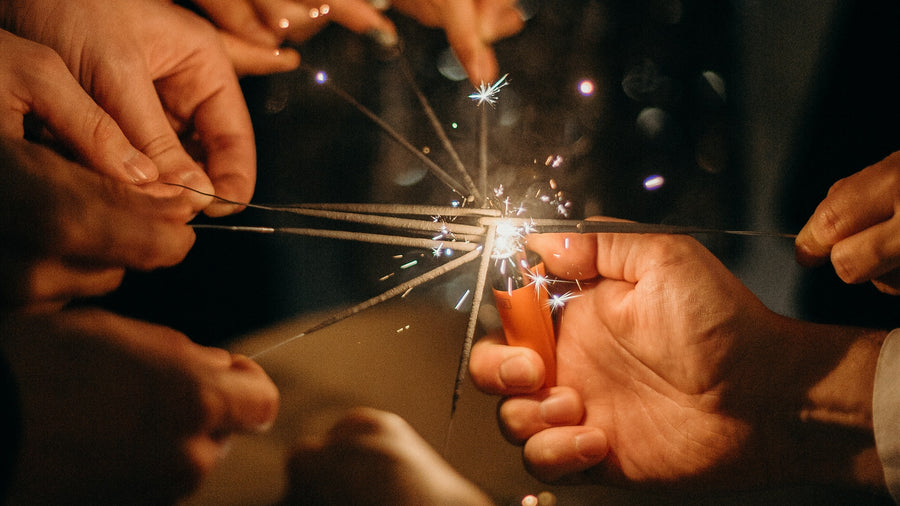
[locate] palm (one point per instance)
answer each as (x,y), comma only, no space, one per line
(654,379)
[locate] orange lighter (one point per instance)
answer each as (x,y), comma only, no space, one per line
(526,318)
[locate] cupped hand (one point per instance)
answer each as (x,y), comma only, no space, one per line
(162,74)
(662,376)
(117,411)
(375,457)
(857,227)
(70,232)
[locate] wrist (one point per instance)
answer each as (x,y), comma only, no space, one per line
(825,434)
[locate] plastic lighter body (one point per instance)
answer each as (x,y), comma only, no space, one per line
(526,318)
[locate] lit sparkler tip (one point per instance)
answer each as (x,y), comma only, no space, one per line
(321,77)
(488,92)
(558,302)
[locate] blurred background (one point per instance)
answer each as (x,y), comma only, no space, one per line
(727,114)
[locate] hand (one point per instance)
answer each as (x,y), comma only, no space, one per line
(471,27)
(672,374)
(858,228)
(160,72)
(66,231)
(35,81)
(117,411)
(254,27)
(373,457)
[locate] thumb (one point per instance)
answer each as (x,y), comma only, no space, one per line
(47,89)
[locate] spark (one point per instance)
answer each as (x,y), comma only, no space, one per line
(557,302)
(462,300)
(488,93)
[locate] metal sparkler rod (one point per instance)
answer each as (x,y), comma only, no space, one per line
(393,292)
(403,209)
(622,227)
(391,240)
(439,130)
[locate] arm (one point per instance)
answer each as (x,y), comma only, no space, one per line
(673,375)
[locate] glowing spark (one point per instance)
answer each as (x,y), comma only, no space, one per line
(539,281)
(409,264)
(586,87)
(557,302)
(401,329)
(488,93)
(507,240)
(321,77)
(462,300)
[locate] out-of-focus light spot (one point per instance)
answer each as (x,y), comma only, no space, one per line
(321,77)
(284,23)
(449,66)
(530,500)
(654,182)
(426,150)
(715,82)
(322,10)
(554,161)
(409,176)
(586,87)
(454,125)
(651,121)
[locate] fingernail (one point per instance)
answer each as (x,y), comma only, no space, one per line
(384,38)
(591,445)
(225,449)
(264,427)
(517,371)
(140,168)
(381,5)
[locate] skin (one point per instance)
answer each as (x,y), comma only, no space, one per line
(254,29)
(856,227)
(162,74)
(672,375)
(337,468)
(70,232)
(44,88)
(117,411)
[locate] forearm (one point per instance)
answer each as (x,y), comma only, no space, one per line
(830,424)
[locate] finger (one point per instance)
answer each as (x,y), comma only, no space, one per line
(570,256)
(868,254)
(38,286)
(888,283)
(524,416)
(254,60)
(52,94)
(560,451)
(477,57)
(208,93)
(359,16)
(852,204)
(499,19)
(251,398)
(505,370)
(240,18)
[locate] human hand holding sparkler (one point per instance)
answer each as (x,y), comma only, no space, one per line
(856,227)
(672,374)
(162,74)
(70,232)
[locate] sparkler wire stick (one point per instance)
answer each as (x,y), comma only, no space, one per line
(385,221)
(405,209)
(483,149)
(473,317)
(391,240)
(627,227)
(447,179)
(393,292)
(439,130)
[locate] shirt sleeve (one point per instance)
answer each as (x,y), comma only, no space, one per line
(886,411)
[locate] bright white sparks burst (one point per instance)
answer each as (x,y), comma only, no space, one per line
(558,302)
(488,93)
